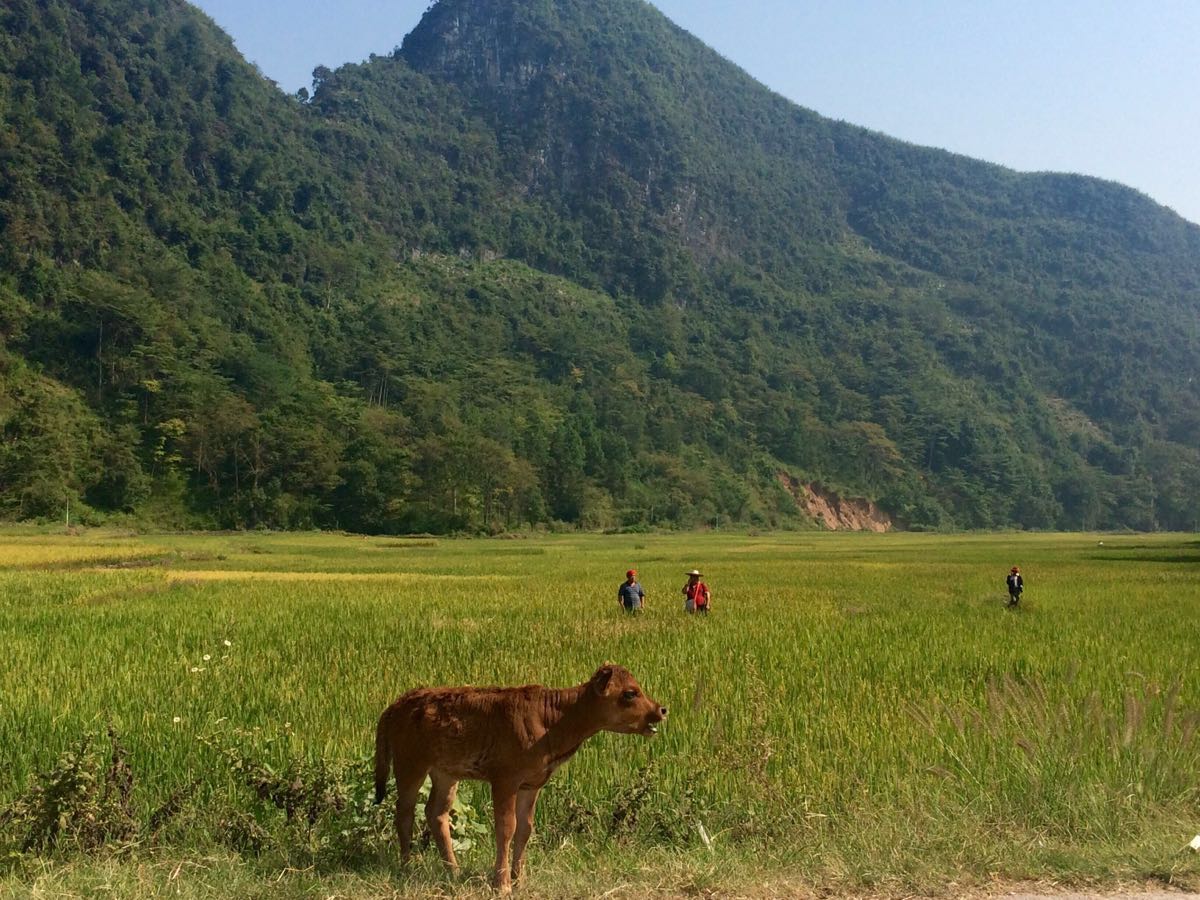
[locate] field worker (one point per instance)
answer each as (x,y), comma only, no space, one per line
(1016,584)
(630,594)
(695,593)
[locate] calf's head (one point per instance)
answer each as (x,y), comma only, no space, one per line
(621,705)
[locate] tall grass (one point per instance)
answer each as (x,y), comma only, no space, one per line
(863,706)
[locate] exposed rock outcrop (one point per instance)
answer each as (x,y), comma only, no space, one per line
(834,512)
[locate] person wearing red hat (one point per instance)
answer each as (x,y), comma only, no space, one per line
(630,594)
(1016,584)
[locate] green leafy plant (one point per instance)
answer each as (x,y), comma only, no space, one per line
(84,802)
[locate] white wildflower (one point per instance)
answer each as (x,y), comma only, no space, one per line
(176,720)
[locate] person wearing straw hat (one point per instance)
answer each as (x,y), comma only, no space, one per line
(1016,584)
(696,594)
(630,594)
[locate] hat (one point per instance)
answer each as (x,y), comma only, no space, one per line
(693,572)
(630,573)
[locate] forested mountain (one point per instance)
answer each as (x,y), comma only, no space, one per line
(553,260)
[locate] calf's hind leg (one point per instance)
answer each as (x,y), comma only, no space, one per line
(437,814)
(408,787)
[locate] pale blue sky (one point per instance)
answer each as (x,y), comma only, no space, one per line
(1101,87)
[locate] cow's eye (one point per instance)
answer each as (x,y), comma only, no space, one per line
(629,695)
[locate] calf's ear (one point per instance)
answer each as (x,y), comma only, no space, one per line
(601,679)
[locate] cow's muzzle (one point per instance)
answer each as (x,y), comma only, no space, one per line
(653,720)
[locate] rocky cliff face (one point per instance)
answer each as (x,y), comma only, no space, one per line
(484,43)
(614,132)
(834,512)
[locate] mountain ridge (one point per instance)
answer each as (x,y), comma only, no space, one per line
(638,283)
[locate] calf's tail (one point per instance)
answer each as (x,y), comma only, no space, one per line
(383,756)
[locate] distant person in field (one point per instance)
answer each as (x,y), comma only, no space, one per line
(1016,584)
(630,594)
(696,594)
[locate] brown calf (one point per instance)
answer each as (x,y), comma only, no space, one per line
(512,738)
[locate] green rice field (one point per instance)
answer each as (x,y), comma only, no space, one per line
(858,711)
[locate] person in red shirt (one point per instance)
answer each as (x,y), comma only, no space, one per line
(696,594)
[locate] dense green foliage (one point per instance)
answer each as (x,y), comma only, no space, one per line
(553,261)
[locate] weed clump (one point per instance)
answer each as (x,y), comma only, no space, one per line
(84,802)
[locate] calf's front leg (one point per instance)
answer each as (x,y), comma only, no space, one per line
(526,802)
(504,804)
